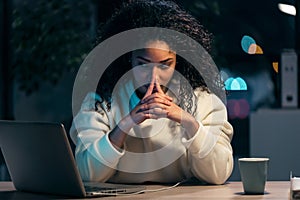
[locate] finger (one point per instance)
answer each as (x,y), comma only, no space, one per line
(156,110)
(146,114)
(140,113)
(158,98)
(148,108)
(159,89)
(140,108)
(157,101)
(158,86)
(158,113)
(150,89)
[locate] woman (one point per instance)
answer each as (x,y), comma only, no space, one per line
(154,117)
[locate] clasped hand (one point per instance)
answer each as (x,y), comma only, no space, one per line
(155,105)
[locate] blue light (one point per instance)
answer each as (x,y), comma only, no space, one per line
(242,83)
(246,42)
(228,83)
(235,84)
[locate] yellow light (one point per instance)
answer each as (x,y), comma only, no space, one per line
(259,50)
(275,66)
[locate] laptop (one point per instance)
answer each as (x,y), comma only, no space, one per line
(39,159)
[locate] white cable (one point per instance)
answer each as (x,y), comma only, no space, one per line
(145,191)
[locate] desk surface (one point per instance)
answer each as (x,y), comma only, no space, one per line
(231,190)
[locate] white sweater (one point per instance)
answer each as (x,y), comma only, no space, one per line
(155,150)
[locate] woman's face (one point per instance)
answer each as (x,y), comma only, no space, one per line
(155,62)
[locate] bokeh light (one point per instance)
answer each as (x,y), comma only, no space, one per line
(288,9)
(224,75)
(235,84)
(249,45)
(246,42)
(238,108)
(275,66)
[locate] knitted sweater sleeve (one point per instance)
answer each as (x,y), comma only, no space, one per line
(95,156)
(210,151)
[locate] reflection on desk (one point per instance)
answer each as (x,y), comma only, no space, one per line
(232,190)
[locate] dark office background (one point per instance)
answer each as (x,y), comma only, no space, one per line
(44,42)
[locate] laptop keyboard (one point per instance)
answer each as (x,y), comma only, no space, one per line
(105,190)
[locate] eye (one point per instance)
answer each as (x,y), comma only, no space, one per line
(143,65)
(163,66)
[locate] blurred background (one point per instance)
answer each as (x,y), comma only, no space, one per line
(44,42)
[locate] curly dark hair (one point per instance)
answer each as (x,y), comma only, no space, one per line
(162,14)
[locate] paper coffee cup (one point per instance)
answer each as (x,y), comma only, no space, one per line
(253,174)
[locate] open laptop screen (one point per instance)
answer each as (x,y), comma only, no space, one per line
(39,158)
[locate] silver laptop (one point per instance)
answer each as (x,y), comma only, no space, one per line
(39,159)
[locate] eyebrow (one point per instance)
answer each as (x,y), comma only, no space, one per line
(147,60)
